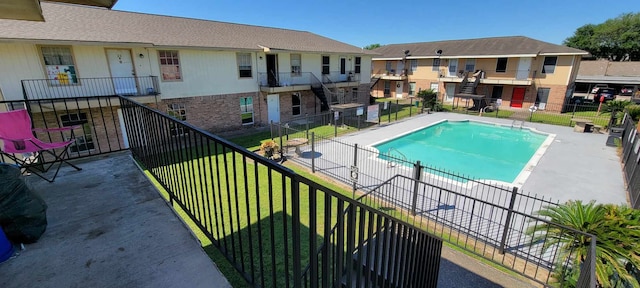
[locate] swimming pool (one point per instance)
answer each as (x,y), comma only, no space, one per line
(479,150)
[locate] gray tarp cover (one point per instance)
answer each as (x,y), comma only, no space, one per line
(23,214)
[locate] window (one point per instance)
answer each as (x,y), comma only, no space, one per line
(501,65)
(59,65)
(354,94)
(549,65)
(412,88)
(358,65)
(414,65)
(325,64)
(388,66)
(84,138)
(295,104)
(387,88)
(434,86)
(296,65)
(470,65)
(169,65)
(246,110)
(436,64)
(178,111)
(244,65)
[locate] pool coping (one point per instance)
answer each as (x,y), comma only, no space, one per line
(518,181)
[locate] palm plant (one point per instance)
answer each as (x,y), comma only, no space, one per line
(617,234)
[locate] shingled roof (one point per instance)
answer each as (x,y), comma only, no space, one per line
(476,48)
(609,68)
(75,23)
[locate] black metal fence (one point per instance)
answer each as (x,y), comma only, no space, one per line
(99,130)
(556,114)
(337,158)
(630,159)
(485,218)
(277,228)
(493,231)
(83,87)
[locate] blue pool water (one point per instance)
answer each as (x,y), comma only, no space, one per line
(477,150)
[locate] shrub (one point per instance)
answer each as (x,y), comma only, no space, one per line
(634,112)
(430,99)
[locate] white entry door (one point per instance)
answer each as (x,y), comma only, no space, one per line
(453,68)
(122,73)
(523,68)
(450,89)
(273,105)
(399,88)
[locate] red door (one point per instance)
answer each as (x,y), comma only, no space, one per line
(518,97)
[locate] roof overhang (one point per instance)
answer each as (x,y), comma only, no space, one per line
(563,54)
(635,80)
(30,9)
(459,57)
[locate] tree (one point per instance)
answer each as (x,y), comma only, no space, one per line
(372,46)
(616,39)
(617,231)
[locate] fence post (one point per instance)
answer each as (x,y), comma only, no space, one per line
(313,152)
(335,124)
(379,114)
(397,105)
(271,129)
(573,113)
(295,227)
(306,120)
(355,163)
(410,106)
(280,137)
(507,222)
(417,174)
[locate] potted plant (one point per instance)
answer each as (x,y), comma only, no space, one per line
(269,148)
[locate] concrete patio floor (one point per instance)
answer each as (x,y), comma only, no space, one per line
(109,227)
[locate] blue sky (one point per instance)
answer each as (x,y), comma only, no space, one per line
(361,23)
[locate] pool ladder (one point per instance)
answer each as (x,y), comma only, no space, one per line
(391,162)
(513,124)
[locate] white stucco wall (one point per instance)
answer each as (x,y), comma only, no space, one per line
(204,72)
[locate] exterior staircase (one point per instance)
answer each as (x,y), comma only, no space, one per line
(319,92)
(468,91)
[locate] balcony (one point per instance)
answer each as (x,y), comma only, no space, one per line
(109,227)
(145,88)
(392,75)
(284,82)
(337,79)
(493,77)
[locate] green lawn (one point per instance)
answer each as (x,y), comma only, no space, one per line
(242,212)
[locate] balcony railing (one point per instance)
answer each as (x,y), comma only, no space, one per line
(284,79)
(338,77)
(90,87)
(276,227)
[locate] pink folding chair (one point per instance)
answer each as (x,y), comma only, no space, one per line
(17,138)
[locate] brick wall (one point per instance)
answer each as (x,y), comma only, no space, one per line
(217,113)
(103,128)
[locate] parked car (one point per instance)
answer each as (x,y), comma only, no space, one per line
(607,93)
(627,90)
(596,88)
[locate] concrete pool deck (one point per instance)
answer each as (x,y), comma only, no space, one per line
(575,166)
